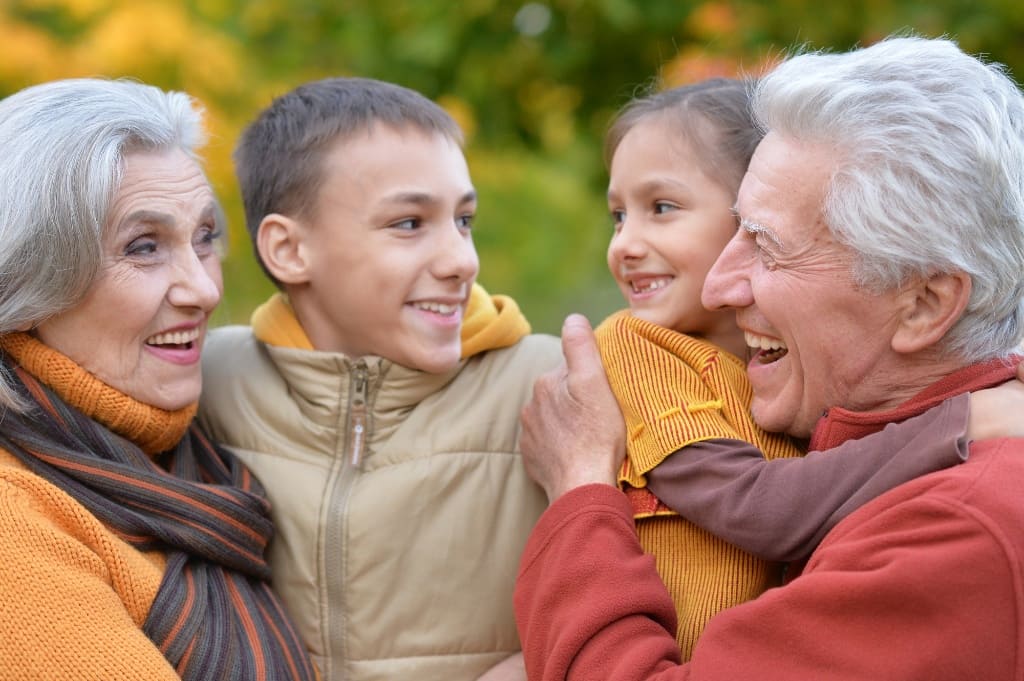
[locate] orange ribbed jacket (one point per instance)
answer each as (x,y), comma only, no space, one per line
(675,390)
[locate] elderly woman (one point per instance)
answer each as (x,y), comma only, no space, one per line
(131,547)
(877,272)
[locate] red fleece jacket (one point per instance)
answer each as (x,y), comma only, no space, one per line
(925,582)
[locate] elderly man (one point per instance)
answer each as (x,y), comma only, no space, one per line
(877,271)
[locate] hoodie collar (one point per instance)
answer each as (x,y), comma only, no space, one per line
(490,322)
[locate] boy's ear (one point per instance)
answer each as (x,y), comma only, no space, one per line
(280,244)
(929,309)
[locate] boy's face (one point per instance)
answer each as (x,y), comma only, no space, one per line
(671,222)
(390,249)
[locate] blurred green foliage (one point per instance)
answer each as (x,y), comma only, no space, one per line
(533,84)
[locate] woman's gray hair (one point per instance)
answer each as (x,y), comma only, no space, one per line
(930,171)
(63,147)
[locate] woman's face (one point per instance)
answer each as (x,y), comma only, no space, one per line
(141,325)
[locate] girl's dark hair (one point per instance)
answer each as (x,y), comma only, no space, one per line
(712,115)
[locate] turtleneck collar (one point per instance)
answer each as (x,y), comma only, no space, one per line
(153,429)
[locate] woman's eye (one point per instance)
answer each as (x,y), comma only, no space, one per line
(207,238)
(141,246)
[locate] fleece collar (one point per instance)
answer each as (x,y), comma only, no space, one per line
(839,425)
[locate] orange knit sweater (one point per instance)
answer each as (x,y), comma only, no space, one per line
(74,594)
(675,390)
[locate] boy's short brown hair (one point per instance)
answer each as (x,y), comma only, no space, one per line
(279,157)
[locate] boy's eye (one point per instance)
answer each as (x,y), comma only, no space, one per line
(408,224)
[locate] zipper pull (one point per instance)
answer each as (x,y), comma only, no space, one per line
(357,416)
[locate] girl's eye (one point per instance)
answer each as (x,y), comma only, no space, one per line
(618,217)
(465,221)
(664,207)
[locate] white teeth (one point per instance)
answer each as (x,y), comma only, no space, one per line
(174,337)
(439,308)
(651,285)
(763,342)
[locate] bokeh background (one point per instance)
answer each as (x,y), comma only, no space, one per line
(533,84)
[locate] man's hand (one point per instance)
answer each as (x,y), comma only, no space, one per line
(573,433)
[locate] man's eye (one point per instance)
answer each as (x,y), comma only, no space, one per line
(764,255)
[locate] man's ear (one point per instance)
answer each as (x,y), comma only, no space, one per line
(929,309)
(280,241)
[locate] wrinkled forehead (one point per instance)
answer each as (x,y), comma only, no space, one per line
(785,187)
(162,186)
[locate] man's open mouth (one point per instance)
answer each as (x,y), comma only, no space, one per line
(766,349)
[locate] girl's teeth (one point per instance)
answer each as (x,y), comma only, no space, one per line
(651,286)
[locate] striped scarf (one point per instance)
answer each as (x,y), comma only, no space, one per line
(214,616)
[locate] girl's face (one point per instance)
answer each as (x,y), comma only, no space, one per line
(671,222)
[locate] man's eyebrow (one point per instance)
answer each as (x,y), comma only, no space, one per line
(757,229)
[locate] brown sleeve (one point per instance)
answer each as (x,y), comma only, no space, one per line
(781,509)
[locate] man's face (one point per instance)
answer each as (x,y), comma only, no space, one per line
(819,341)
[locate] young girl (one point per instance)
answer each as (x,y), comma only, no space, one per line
(676,162)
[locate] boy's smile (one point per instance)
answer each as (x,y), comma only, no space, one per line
(388,250)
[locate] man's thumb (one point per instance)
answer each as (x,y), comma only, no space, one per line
(579,345)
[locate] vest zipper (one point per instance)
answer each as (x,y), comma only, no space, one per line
(357,416)
(353,432)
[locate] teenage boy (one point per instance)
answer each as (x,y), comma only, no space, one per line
(377,395)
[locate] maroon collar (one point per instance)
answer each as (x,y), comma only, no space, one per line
(839,425)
